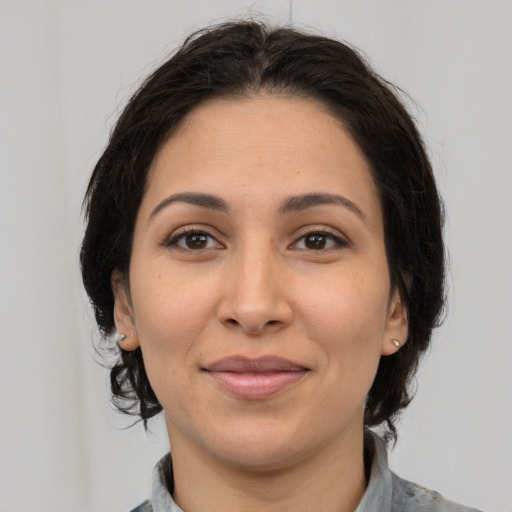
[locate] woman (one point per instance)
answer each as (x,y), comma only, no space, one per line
(264,238)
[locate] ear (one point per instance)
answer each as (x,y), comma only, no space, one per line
(123,313)
(397,328)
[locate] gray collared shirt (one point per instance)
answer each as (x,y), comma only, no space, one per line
(386,492)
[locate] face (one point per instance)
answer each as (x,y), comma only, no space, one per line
(259,289)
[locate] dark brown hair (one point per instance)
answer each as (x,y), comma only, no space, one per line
(237,59)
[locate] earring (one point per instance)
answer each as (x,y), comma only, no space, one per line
(395,342)
(121,338)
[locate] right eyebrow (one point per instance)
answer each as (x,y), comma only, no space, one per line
(306,201)
(208,201)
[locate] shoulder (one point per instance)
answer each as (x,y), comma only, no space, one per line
(143,507)
(411,497)
(387,492)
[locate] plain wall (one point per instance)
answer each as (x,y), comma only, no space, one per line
(66,69)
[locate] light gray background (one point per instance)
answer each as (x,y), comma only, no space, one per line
(66,68)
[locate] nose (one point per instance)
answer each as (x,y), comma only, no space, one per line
(256,294)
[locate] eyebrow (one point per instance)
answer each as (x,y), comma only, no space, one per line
(208,201)
(306,201)
(290,205)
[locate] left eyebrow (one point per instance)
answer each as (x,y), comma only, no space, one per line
(306,201)
(207,201)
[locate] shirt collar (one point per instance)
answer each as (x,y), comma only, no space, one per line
(379,493)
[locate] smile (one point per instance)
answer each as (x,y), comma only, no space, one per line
(255,379)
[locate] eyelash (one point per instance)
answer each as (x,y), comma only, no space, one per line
(338,243)
(174,240)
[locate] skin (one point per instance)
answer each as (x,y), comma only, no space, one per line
(255,284)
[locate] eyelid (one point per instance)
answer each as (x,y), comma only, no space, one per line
(180,233)
(341,240)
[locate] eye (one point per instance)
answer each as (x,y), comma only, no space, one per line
(194,240)
(319,241)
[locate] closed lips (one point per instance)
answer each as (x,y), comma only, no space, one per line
(261,365)
(255,379)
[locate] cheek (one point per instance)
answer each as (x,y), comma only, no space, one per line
(170,314)
(169,319)
(348,315)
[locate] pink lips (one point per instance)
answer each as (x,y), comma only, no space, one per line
(255,379)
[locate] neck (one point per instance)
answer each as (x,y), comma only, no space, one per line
(332,480)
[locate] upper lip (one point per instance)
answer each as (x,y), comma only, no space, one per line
(240,364)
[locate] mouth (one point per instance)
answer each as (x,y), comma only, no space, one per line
(255,379)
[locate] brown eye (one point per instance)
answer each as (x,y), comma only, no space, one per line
(319,241)
(193,241)
(196,240)
(315,241)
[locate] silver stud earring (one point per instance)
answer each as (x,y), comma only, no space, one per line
(121,337)
(395,342)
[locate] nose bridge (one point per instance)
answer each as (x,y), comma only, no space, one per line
(255,298)
(255,272)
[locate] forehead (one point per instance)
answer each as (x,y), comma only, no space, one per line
(262,146)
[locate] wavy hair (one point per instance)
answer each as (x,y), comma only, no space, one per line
(234,60)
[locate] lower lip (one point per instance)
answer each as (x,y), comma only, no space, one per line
(256,386)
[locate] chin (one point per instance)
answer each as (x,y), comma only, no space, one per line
(263,447)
